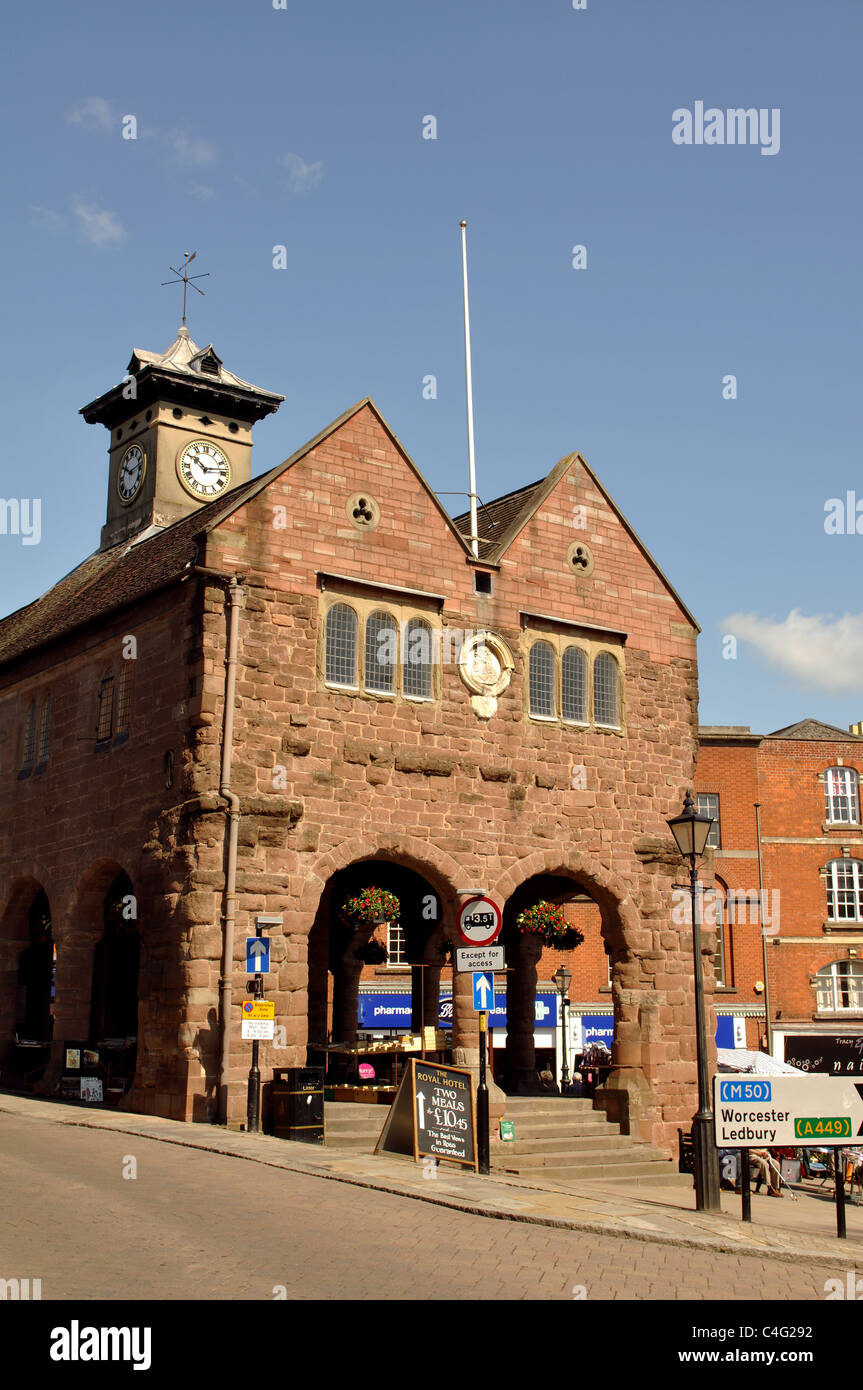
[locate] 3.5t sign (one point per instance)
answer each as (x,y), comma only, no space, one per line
(479,921)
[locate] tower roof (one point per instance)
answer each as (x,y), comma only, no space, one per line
(183,372)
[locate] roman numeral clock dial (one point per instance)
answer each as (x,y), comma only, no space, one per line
(203,469)
(130,474)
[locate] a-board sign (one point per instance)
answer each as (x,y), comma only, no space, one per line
(479,958)
(774,1111)
(479,921)
(432,1115)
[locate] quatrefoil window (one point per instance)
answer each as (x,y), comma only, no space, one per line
(363,511)
(579,558)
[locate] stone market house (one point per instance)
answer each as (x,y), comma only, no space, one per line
(260,695)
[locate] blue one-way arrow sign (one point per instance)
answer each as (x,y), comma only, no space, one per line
(483,990)
(257,955)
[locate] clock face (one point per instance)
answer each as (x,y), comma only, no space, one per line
(131,473)
(203,469)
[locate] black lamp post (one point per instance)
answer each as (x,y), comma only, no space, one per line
(690,831)
(561,978)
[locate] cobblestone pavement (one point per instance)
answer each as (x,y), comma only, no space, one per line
(195,1224)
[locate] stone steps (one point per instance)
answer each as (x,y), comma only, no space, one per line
(557,1140)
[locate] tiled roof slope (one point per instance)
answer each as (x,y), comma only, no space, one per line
(497,521)
(109,580)
(813,731)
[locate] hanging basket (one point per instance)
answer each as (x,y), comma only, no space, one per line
(371,907)
(546,920)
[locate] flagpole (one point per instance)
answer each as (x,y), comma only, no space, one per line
(474,539)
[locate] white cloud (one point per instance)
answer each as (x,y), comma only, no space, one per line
(48,219)
(821,651)
(301,176)
(190,150)
(94,114)
(98,226)
(202,191)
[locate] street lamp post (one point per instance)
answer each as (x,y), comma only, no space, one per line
(690,831)
(561,978)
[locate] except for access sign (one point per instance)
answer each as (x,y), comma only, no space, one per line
(479,958)
(772,1111)
(479,921)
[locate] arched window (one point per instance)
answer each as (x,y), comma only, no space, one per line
(30,736)
(714,919)
(382,649)
(417,660)
(45,729)
(839,987)
(105,710)
(541,680)
(124,695)
(841,794)
(845,890)
(573,685)
(341,646)
(605,690)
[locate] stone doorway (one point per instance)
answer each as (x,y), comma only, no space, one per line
(338,958)
(530,968)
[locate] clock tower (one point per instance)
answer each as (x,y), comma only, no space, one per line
(180,436)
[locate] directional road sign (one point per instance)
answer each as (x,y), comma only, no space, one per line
(483,990)
(799,1111)
(257,955)
(479,921)
(479,958)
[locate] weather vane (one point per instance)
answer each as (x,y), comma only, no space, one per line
(186,278)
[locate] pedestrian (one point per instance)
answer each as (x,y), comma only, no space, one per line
(767,1168)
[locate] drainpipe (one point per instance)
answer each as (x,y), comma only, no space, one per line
(234,593)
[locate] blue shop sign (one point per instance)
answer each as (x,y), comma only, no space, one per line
(394,1011)
(597,1028)
(724,1030)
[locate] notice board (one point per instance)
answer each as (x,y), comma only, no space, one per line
(432,1115)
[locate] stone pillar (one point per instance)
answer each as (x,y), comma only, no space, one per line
(525,953)
(425,996)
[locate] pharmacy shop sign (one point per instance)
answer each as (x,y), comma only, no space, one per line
(814,1111)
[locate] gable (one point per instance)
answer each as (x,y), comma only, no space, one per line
(575,547)
(353,502)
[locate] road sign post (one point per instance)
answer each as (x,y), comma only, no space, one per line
(257,960)
(482,1135)
(801,1111)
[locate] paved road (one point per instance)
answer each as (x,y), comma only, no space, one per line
(195,1225)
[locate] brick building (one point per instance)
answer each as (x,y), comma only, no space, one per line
(261,694)
(805,779)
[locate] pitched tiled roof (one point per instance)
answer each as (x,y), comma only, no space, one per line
(813,731)
(498,521)
(109,580)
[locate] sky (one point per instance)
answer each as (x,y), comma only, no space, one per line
(703,354)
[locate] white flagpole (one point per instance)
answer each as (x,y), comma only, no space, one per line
(474,539)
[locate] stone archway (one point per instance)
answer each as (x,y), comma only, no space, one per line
(634,1007)
(26,983)
(338,954)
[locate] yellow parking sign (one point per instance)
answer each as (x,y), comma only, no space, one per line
(259,1009)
